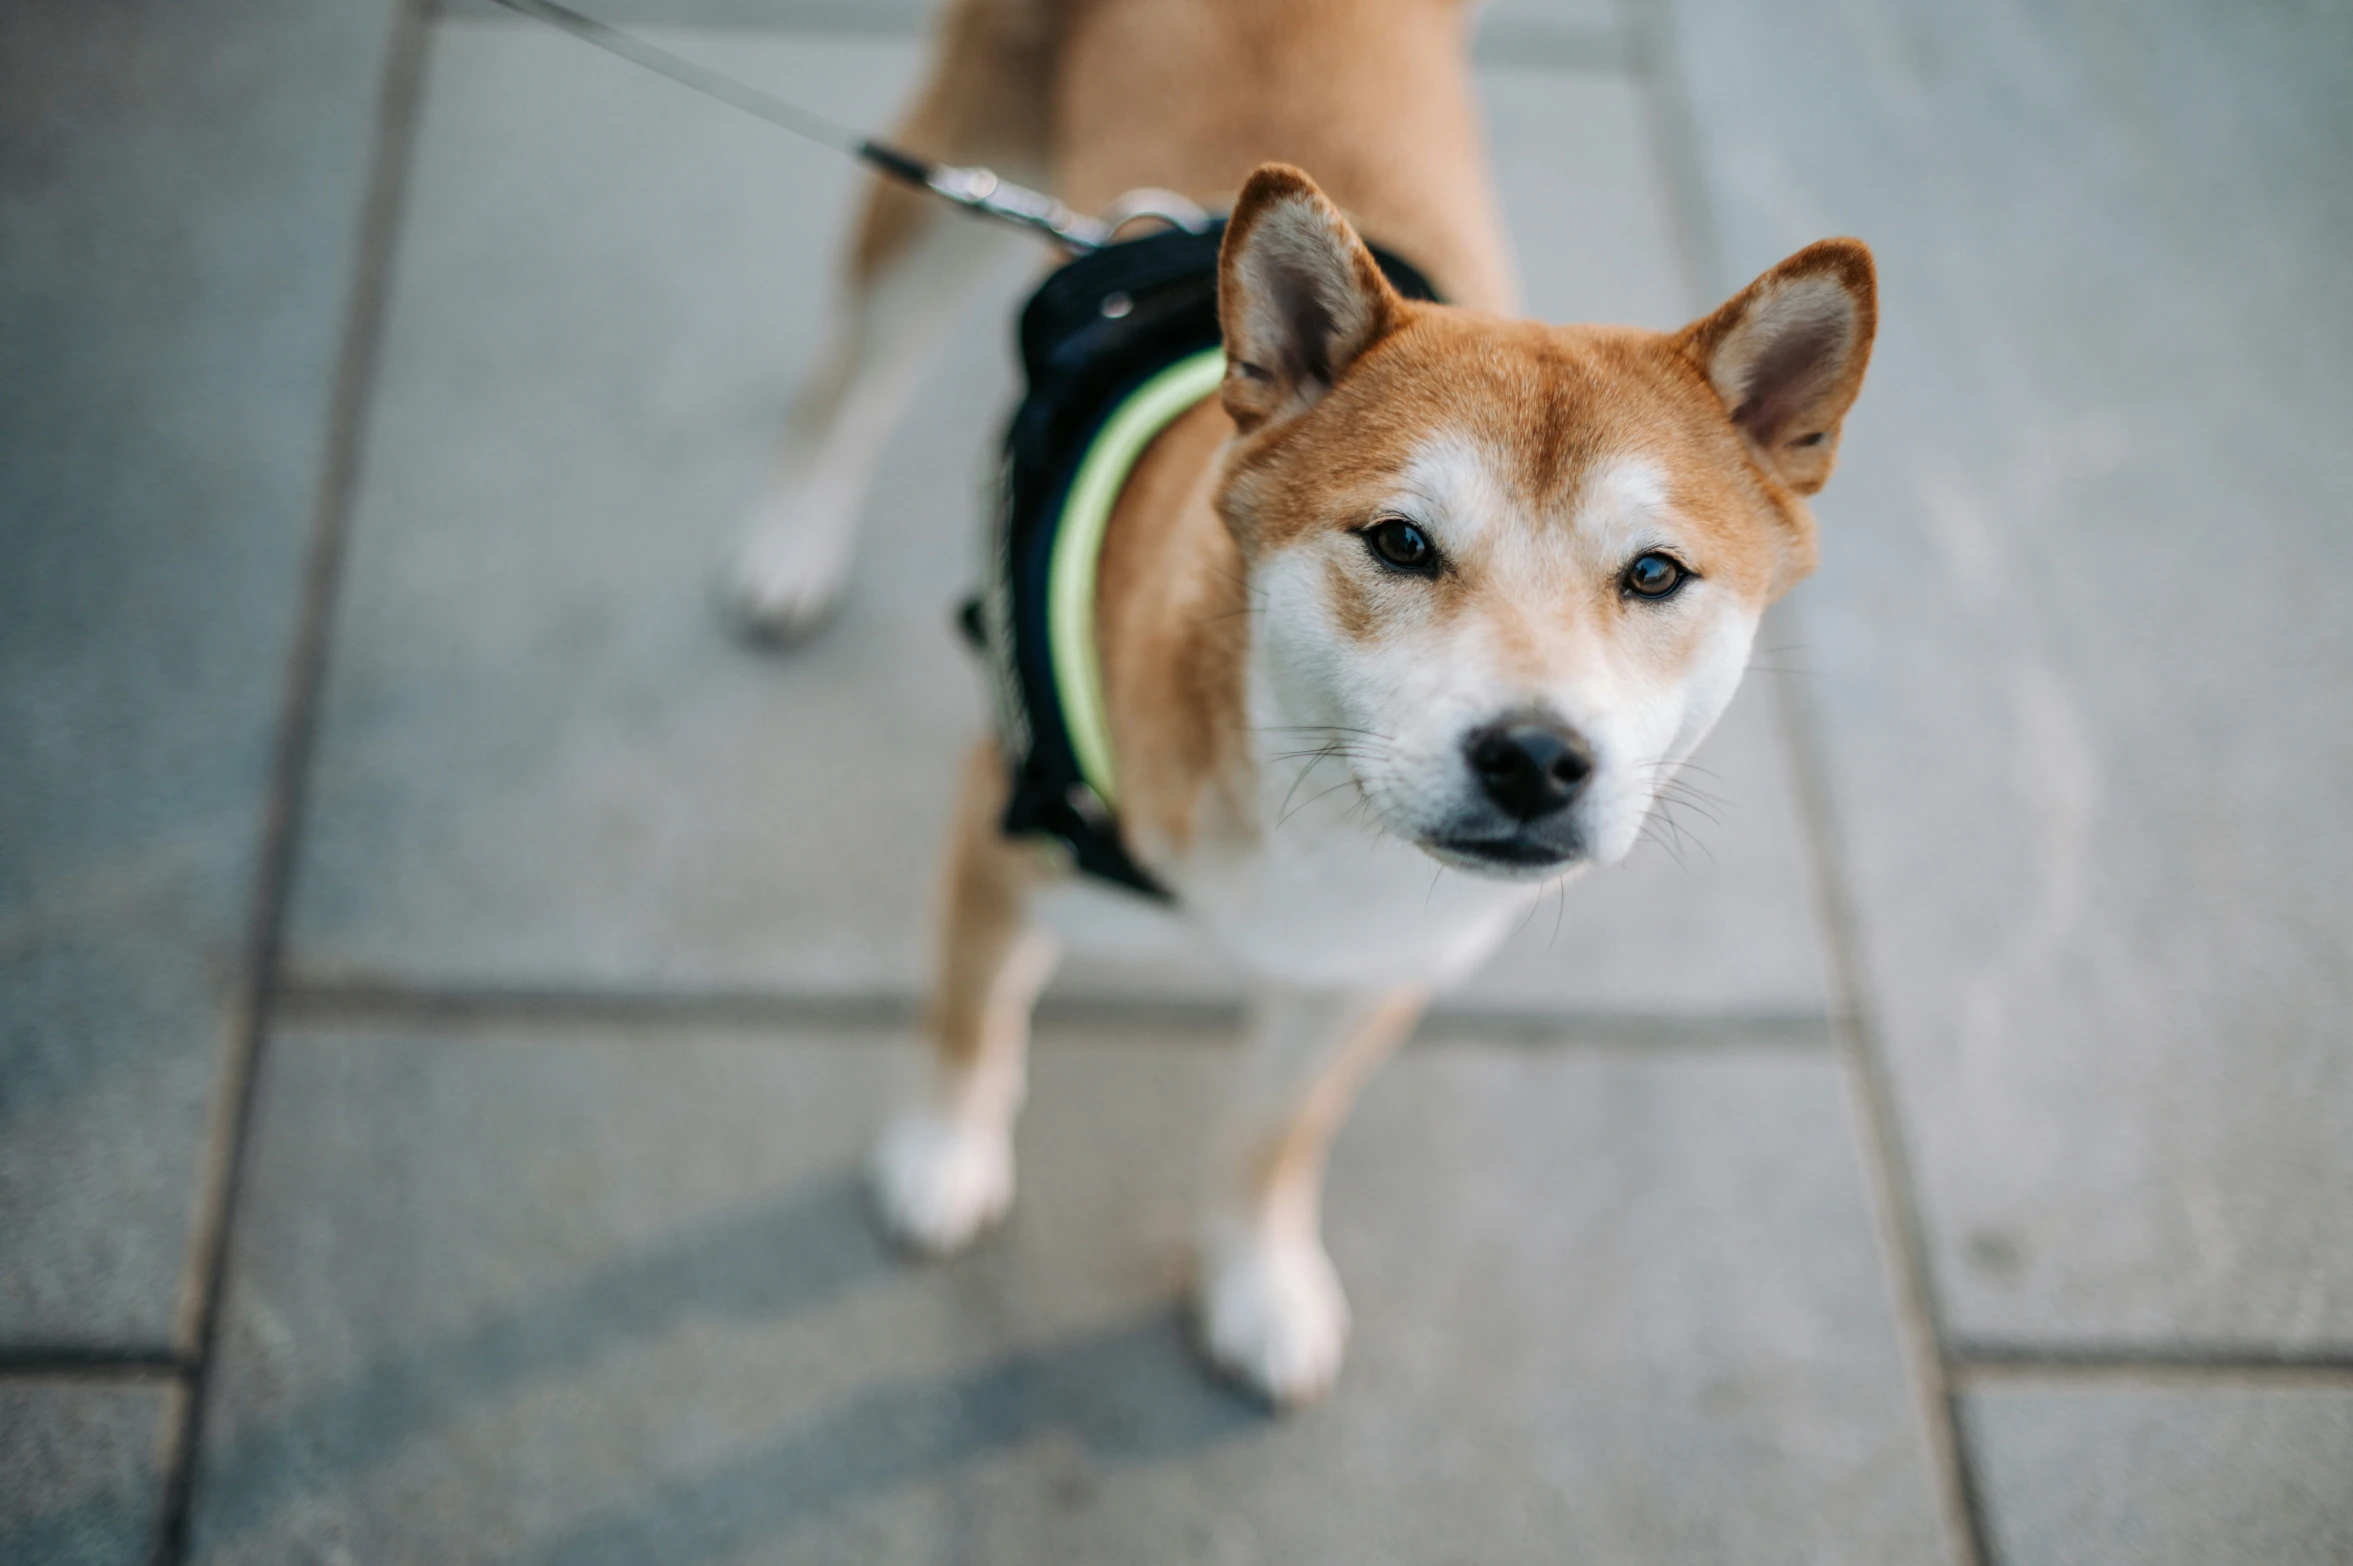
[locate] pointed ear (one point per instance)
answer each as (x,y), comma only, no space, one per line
(1786,354)
(1298,296)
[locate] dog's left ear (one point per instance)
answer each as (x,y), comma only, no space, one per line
(1298,296)
(1786,354)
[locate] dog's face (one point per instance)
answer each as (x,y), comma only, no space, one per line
(1511,571)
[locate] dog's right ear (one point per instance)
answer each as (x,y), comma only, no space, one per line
(1298,296)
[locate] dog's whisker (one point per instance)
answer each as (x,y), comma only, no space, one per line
(1530,917)
(1679,767)
(1354,745)
(1314,728)
(1707,805)
(1666,801)
(1690,793)
(1312,798)
(1345,753)
(1314,759)
(1661,830)
(1230,614)
(1685,835)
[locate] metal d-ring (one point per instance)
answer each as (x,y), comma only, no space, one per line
(1151,202)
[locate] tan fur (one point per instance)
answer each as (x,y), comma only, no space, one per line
(989,100)
(1171,582)
(1584,445)
(983,903)
(1375,96)
(1288,1169)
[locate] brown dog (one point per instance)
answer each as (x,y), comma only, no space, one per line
(1493,579)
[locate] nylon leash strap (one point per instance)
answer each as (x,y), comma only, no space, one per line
(978,190)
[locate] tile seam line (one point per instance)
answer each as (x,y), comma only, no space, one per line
(2119,1380)
(77,1363)
(391,141)
(2007,1360)
(1904,1231)
(339,1006)
(1891,1189)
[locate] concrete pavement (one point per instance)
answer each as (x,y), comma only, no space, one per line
(434,1051)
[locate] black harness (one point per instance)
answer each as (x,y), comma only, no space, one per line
(1097,332)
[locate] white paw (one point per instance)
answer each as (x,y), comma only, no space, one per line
(784,579)
(939,1181)
(1273,1316)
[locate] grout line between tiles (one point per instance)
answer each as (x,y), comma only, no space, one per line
(397,103)
(380,1004)
(1893,1191)
(1887,1166)
(1980,1362)
(1650,57)
(88,1363)
(2160,1375)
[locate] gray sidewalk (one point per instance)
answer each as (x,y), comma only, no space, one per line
(445,983)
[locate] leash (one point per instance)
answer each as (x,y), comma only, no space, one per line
(978,190)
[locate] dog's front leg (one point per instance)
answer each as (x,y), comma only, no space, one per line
(943,1169)
(1271,1309)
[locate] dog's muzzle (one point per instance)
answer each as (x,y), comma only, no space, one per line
(1530,769)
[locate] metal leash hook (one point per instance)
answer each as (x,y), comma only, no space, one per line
(990,194)
(975,189)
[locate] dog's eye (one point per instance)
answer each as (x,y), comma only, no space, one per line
(1655,576)
(1403,546)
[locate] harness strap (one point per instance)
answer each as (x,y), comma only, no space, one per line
(1078,551)
(1116,346)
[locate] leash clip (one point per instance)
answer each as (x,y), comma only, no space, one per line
(990,193)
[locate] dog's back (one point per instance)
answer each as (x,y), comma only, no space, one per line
(1375,96)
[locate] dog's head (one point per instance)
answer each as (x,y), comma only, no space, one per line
(1514,569)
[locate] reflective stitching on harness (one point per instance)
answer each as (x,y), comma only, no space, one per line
(1078,551)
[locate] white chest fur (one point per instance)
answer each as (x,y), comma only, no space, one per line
(1325,900)
(1320,895)
(1326,897)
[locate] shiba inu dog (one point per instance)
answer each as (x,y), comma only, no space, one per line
(1410,585)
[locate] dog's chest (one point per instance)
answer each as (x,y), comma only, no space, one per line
(1319,896)
(1324,896)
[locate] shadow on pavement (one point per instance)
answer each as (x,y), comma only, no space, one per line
(766,1263)
(1129,1395)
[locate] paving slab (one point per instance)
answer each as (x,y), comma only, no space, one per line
(545,764)
(575,1296)
(2082,629)
(2192,1473)
(180,191)
(1570,34)
(81,1470)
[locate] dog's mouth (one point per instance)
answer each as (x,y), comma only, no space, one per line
(1514,855)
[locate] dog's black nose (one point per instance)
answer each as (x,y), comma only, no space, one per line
(1530,766)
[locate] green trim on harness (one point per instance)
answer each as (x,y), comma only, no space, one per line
(1078,550)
